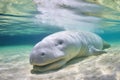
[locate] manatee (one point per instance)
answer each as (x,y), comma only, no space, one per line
(57,49)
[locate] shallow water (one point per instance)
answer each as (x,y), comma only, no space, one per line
(24,23)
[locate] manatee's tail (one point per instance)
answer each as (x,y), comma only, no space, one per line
(106,45)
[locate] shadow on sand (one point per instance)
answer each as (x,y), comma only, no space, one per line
(72,61)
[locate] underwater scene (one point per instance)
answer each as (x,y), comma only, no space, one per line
(24,23)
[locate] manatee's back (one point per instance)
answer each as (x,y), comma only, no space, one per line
(81,37)
(86,40)
(91,39)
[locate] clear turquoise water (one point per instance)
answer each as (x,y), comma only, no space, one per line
(24,23)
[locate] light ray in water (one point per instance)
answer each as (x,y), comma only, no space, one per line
(70,15)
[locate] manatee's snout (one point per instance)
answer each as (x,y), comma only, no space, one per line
(36,58)
(44,56)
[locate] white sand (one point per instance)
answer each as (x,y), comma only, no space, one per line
(14,65)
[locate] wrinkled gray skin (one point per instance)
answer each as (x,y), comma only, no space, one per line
(57,49)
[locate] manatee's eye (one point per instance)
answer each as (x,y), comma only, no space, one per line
(60,42)
(42,54)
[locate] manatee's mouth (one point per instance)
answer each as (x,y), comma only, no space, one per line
(47,66)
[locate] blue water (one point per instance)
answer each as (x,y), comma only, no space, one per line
(24,23)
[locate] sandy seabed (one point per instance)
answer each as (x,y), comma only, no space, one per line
(14,65)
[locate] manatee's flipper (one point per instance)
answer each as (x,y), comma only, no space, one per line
(94,51)
(106,45)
